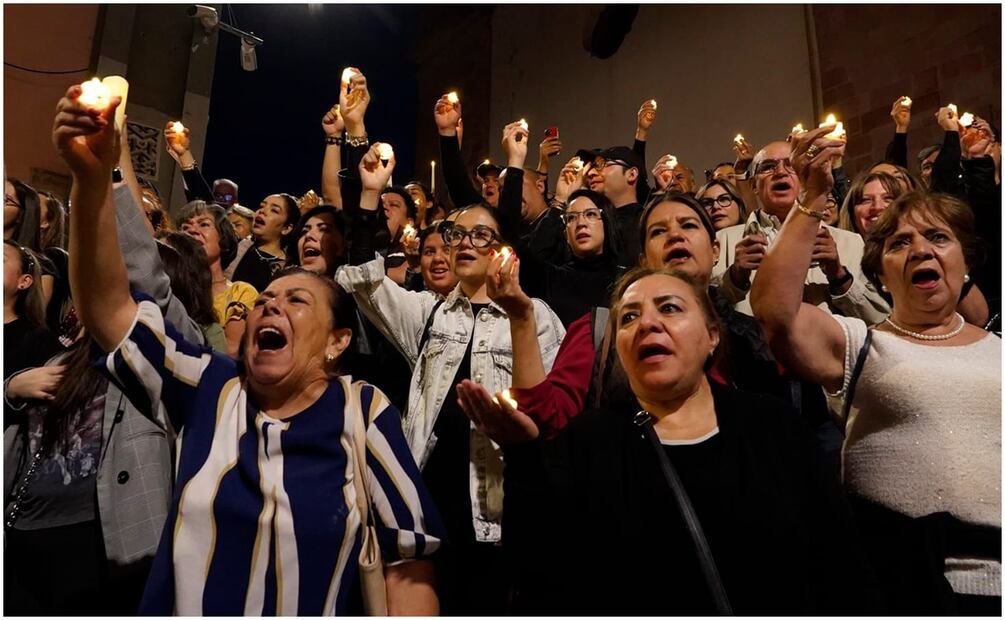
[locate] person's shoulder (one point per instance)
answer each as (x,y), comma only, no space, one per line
(731,232)
(754,411)
(242,290)
(841,234)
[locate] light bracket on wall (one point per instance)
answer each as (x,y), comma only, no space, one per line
(209,19)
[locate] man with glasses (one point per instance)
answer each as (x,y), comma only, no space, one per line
(225,193)
(834,281)
(625,186)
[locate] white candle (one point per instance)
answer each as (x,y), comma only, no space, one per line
(452,98)
(838,133)
(347,74)
(952,106)
(118,87)
(385,151)
(653,101)
(177,127)
(432,177)
(739,138)
(671,162)
(967,119)
(906,101)
(523,124)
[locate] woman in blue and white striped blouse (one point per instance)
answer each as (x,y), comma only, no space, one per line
(264,517)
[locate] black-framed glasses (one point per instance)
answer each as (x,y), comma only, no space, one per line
(9,201)
(722,201)
(615,162)
(768,166)
(480,236)
(590,215)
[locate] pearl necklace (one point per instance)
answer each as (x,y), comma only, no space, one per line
(908,332)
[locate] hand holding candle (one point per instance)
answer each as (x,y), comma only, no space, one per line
(671,162)
(506,396)
(906,101)
(177,127)
(839,132)
(95,94)
(738,139)
(966,120)
(385,151)
(452,98)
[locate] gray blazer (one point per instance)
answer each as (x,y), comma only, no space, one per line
(135,470)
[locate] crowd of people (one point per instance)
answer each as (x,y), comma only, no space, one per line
(594,388)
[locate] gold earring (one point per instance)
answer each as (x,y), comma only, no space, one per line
(329,358)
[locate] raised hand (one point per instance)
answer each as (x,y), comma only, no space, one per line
(744,153)
(447,116)
(308,201)
(901,115)
(646,118)
(514,142)
(332,122)
(353,100)
(663,173)
(549,147)
(497,419)
(813,156)
(749,253)
(178,143)
(825,252)
(947,119)
(502,284)
(85,137)
(976,139)
(372,171)
(570,178)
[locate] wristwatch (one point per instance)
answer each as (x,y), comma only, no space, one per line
(357,140)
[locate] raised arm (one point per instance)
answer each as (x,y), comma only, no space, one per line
(354,99)
(196,187)
(946,168)
(447,116)
(332,125)
(896,151)
(803,337)
(85,138)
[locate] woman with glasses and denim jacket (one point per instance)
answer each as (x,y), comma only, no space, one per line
(447,340)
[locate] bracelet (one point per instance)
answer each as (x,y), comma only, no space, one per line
(336,140)
(358,140)
(820,215)
(836,285)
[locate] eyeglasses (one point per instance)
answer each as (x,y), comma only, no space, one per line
(480,236)
(615,162)
(11,202)
(768,166)
(590,215)
(722,200)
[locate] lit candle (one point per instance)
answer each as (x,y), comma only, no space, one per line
(905,101)
(952,106)
(739,138)
(118,87)
(177,127)
(671,162)
(653,101)
(385,151)
(432,177)
(798,129)
(505,251)
(967,119)
(839,132)
(508,398)
(408,231)
(452,98)
(95,95)
(347,74)
(523,124)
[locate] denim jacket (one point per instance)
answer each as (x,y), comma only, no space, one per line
(401,316)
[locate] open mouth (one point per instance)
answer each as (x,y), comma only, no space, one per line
(677,255)
(259,220)
(653,353)
(925,278)
(465,257)
(781,186)
(311,252)
(439,272)
(270,339)
(583,236)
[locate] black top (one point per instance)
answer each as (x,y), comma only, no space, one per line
(594,528)
(257,268)
(626,218)
(26,346)
(196,187)
(573,288)
(461,190)
(896,150)
(446,473)
(60,262)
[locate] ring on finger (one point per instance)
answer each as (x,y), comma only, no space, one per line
(812,151)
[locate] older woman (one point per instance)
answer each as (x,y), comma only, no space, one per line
(758,489)
(921,391)
(723,202)
(445,340)
(265,519)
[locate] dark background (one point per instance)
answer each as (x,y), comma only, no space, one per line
(299,68)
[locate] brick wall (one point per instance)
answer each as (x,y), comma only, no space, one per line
(936,54)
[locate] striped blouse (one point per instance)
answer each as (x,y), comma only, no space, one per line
(264,518)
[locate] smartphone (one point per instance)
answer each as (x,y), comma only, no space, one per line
(551,132)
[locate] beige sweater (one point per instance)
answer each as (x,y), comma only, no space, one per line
(924,435)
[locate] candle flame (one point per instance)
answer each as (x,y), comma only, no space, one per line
(967,119)
(906,101)
(739,138)
(798,128)
(177,127)
(671,162)
(653,101)
(432,164)
(409,230)
(347,74)
(385,151)
(952,106)
(523,123)
(830,120)
(452,98)
(838,133)
(508,398)
(95,95)
(486,162)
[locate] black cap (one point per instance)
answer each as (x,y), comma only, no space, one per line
(626,155)
(486,167)
(589,155)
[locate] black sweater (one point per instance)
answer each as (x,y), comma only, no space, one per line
(593,529)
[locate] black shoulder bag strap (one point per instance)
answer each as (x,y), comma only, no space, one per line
(708,568)
(425,330)
(849,393)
